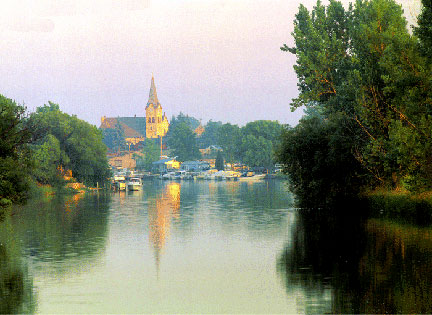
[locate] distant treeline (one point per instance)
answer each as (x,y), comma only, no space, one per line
(42,147)
(365,81)
(253,144)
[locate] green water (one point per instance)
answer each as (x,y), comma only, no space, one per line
(207,247)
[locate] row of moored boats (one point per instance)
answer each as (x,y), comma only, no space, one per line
(133,183)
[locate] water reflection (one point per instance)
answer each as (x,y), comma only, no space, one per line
(161,211)
(16,288)
(66,229)
(396,268)
(357,265)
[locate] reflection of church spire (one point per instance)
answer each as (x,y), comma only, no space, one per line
(161,212)
(153,99)
(157,259)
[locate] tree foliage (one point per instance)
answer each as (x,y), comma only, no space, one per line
(183,143)
(150,153)
(424,29)
(15,162)
(362,64)
(210,135)
(68,143)
(114,138)
(219,163)
(229,138)
(259,140)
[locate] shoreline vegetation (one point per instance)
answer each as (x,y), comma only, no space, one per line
(47,152)
(366,85)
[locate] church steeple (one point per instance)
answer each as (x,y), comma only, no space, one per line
(156,124)
(153,99)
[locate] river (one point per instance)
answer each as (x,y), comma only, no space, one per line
(207,247)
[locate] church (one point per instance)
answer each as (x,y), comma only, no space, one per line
(136,129)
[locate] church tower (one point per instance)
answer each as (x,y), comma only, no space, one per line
(156,123)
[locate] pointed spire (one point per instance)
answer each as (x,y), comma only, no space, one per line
(153,99)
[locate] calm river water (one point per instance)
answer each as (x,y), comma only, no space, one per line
(207,247)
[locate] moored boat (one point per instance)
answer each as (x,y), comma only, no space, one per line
(134,183)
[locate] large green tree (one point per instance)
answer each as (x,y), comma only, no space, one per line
(363,63)
(258,143)
(219,163)
(183,143)
(229,138)
(424,29)
(150,153)
(114,138)
(210,135)
(15,162)
(81,148)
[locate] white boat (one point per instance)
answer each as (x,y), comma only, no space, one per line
(134,183)
(169,175)
(179,175)
(253,177)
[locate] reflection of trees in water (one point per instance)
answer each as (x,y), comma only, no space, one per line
(368,266)
(72,228)
(261,205)
(16,289)
(396,269)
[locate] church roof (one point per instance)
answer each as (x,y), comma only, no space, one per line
(133,127)
(136,123)
(129,132)
(153,99)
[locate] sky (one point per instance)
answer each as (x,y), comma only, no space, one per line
(211,59)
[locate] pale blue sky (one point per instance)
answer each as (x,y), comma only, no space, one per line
(215,60)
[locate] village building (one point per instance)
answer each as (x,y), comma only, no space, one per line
(124,161)
(166,165)
(136,129)
(195,166)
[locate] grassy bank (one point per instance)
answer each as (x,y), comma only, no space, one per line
(401,205)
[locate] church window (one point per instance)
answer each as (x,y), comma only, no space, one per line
(149,120)
(153,119)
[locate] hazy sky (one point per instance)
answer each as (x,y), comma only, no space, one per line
(215,60)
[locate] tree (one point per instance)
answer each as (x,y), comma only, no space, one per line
(210,135)
(362,64)
(259,140)
(182,142)
(47,157)
(229,138)
(219,164)
(81,148)
(424,29)
(150,153)
(114,138)
(316,156)
(15,162)
(192,122)
(258,152)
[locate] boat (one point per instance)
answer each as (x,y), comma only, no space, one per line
(210,174)
(200,176)
(179,175)
(119,182)
(134,183)
(119,185)
(251,176)
(169,175)
(232,175)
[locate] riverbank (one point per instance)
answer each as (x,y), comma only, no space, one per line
(401,205)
